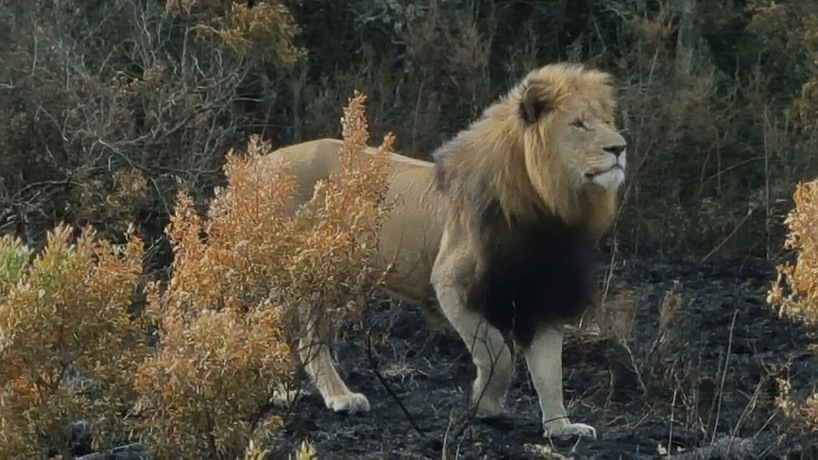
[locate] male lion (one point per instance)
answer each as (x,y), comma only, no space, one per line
(499,230)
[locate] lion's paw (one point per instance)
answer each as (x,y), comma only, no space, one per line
(570,430)
(489,409)
(351,403)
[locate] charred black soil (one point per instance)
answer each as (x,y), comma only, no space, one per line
(710,372)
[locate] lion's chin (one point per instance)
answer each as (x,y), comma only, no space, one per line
(610,179)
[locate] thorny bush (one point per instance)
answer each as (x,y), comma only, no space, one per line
(225,347)
(73,347)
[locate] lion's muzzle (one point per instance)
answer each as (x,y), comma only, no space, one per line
(615,150)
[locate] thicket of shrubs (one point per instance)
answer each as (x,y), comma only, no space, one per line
(190,371)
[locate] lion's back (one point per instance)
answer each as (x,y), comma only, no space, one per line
(310,162)
(410,235)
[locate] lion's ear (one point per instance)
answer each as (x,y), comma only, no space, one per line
(535,103)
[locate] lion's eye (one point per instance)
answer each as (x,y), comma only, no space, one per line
(578,123)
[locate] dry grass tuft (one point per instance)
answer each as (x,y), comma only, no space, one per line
(616,316)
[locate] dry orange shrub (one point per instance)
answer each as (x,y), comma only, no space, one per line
(267,30)
(344,219)
(802,277)
(66,313)
(237,275)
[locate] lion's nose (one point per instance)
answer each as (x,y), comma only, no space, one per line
(615,149)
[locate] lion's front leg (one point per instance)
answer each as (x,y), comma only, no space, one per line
(490,353)
(544,360)
(314,353)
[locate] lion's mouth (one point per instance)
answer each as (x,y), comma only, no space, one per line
(591,175)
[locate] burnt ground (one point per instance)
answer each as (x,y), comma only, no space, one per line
(683,395)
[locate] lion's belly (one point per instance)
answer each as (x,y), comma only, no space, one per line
(409,271)
(410,237)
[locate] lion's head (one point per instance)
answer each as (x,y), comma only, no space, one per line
(549,146)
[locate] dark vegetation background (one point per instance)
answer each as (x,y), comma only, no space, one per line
(719,99)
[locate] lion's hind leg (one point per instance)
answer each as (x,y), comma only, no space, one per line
(314,354)
(544,361)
